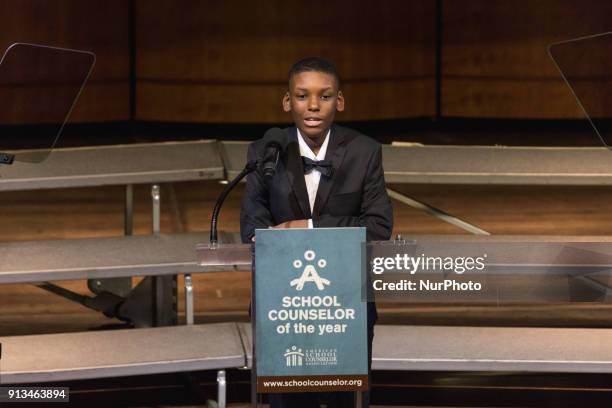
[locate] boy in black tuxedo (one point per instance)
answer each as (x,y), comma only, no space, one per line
(327,176)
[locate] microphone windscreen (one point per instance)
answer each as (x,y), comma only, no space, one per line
(276,136)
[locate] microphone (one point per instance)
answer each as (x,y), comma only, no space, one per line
(276,140)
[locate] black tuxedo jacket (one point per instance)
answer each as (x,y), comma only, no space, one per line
(354,196)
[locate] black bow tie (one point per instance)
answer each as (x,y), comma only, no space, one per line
(323,166)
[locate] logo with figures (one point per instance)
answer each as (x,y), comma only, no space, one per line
(294,357)
(310,274)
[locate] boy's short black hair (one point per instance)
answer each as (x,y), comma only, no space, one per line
(314,64)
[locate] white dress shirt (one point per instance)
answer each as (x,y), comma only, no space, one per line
(313,177)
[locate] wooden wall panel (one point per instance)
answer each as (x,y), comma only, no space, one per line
(226,62)
(99,26)
(494,57)
(211,61)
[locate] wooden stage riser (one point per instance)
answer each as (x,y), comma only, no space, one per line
(97,212)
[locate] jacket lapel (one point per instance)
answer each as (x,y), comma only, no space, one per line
(335,152)
(295,173)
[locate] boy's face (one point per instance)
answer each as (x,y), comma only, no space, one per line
(313,100)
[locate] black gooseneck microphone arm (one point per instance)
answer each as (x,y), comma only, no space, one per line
(250,166)
(275,139)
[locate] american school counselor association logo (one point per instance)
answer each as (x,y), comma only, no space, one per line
(294,357)
(310,274)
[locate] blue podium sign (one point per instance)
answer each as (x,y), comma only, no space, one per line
(311,323)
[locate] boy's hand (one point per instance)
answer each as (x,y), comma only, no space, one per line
(292,224)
